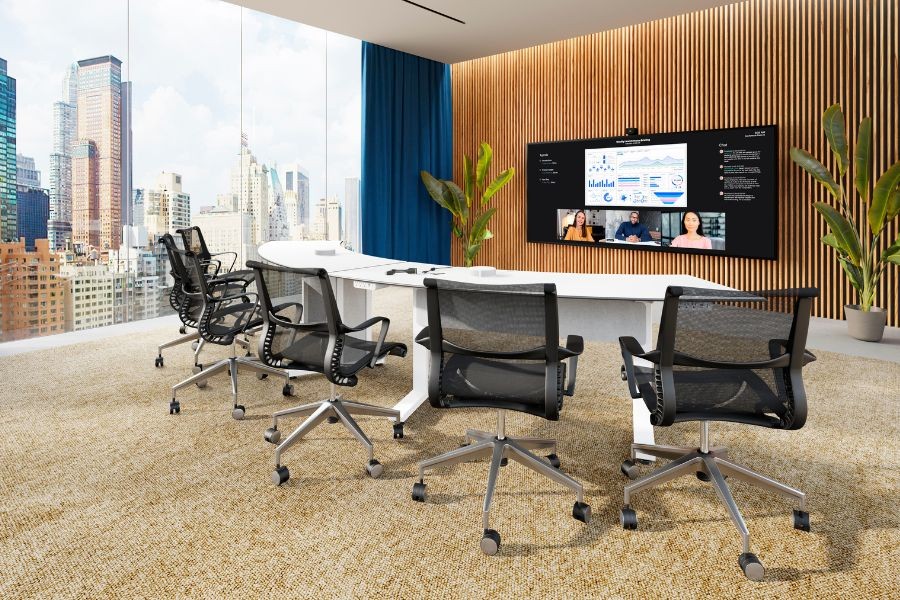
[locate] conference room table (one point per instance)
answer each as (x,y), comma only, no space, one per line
(599,307)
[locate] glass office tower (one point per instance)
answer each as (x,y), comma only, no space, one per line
(8,213)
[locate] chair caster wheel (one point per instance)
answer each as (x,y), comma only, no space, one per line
(174,407)
(581,511)
(195,345)
(629,469)
(182,330)
(801,520)
(504,461)
(272,435)
(333,420)
(237,412)
(702,476)
(750,565)
(280,475)
(490,543)
(374,469)
(554,460)
(159,362)
(197,369)
(623,374)
(398,431)
(628,518)
(287,390)
(261,376)
(418,492)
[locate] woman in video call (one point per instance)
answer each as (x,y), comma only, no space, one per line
(579,231)
(693,236)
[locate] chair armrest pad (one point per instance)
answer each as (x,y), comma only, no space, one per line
(365,324)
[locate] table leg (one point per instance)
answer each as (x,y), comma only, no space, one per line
(640,416)
(421,359)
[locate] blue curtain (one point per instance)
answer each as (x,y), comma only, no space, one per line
(406,128)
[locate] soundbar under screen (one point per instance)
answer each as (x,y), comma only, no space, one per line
(704,192)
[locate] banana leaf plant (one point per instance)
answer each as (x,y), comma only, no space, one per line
(857,247)
(468,204)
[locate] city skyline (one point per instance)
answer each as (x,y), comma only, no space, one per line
(189,100)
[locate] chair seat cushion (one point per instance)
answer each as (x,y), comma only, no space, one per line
(307,352)
(482,382)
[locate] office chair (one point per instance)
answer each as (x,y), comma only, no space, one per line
(496,346)
(223,308)
(176,298)
(305,332)
(193,241)
(721,355)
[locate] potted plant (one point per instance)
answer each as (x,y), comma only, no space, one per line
(857,245)
(470,218)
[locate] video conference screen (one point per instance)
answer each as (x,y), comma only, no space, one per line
(702,192)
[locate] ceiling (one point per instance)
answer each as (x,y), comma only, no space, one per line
(490,26)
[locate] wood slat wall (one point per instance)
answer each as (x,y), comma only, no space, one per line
(760,62)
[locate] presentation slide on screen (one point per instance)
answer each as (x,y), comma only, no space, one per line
(632,192)
(636,175)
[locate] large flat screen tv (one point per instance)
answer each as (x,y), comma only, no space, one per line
(700,192)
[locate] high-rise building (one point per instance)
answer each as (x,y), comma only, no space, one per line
(59,228)
(8,216)
(127,207)
(33,211)
(27,174)
(250,183)
(278,221)
(137,206)
(32,295)
(166,207)
(333,219)
(227,231)
(97,203)
(90,296)
(296,196)
(351,214)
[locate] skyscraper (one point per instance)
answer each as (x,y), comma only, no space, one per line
(250,184)
(351,214)
(97,204)
(59,228)
(127,206)
(32,202)
(8,214)
(296,196)
(32,301)
(166,206)
(278,222)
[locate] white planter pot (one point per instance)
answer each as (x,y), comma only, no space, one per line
(866,326)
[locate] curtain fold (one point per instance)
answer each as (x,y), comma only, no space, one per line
(406,127)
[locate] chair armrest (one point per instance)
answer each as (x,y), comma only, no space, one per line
(217,265)
(574,347)
(631,348)
(233,260)
(423,338)
(365,324)
(382,334)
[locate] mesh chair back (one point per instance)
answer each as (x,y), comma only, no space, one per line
(193,241)
(495,346)
(735,356)
(176,294)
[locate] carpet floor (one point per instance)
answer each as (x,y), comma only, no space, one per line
(104,494)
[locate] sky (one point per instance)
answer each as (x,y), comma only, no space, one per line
(201,70)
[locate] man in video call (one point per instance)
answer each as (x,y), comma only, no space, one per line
(633,230)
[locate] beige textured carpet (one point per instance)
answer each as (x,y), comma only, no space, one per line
(103,494)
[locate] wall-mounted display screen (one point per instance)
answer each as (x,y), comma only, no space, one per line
(706,192)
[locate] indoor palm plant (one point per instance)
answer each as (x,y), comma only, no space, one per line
(468,207)
(857,246)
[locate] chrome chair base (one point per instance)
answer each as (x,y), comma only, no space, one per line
(334,409)
(708,464)
(484,444)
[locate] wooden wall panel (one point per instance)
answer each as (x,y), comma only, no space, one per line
(760,62)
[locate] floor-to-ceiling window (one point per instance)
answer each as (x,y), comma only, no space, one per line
(123,120)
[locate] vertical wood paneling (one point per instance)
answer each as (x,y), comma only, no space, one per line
(759,62)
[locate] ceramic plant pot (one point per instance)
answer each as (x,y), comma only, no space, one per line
(866,326)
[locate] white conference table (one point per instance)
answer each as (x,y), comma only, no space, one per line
(599,307)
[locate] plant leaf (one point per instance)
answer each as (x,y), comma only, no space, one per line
(812,166)
(844,233)
(468,179)
(893,205)
(830,240)
(894,259)
(457,231)
(485,154)
(883,198)
(435,189)
(502,179)
(487,234)
(458,200)
(833,124)
(863,159)
(892,253)
(853,273)
(480,225)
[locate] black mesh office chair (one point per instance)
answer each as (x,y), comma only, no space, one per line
(496,346)
(177,297)
(721,356)
(193,241)
(304,331)
(224,308)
